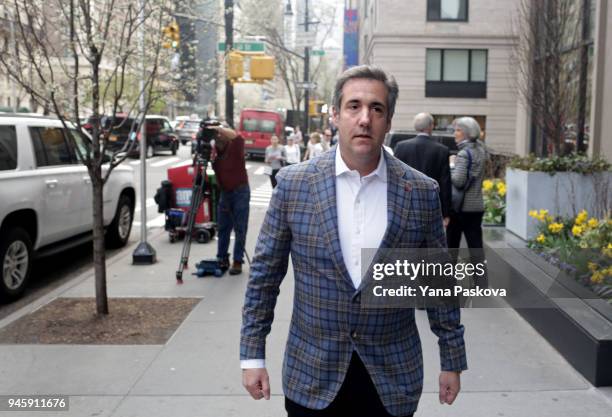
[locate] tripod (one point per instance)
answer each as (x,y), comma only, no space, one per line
(198,192)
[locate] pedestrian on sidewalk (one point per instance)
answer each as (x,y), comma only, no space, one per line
(314,147)
(341,359)
(275,158)
(467,173)
(234,198)
(292,151)
(425,154)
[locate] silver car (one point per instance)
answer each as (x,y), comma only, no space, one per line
(187,130)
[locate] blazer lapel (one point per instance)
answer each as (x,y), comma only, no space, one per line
(323,193)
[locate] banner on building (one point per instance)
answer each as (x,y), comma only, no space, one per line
(351,38)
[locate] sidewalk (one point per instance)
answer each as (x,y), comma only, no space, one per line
(513,371)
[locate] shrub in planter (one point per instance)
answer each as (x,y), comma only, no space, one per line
(579,245)
(563,185)
(494,195)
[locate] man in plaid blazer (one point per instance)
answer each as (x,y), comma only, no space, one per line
(341,359)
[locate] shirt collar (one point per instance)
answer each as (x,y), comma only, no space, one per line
(380,171)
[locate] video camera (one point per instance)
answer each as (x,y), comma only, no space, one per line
(204,137)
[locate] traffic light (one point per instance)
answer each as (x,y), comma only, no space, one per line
(315,107)
(262,68)
(172,35)
(234,66)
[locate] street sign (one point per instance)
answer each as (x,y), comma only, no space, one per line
(307,86)
(317,52)
(305,39)
(243,46)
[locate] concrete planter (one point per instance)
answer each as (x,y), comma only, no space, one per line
(563,193)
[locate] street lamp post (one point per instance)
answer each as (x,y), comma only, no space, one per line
(144,254)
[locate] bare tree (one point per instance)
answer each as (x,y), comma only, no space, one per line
(78,55)
(548,32)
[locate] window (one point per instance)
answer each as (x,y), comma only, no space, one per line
(83,145)
(268,126)
(8,148)
(444,122)
(456,73)
(447,10)
(50,147)
(259,125)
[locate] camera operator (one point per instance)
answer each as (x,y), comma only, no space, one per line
(233,206)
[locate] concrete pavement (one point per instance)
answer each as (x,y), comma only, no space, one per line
(513,371)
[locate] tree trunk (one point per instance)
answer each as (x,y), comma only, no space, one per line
(99,253)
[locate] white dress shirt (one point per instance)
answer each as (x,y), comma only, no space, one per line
(361,204)
(362,212)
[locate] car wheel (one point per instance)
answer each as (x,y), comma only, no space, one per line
(150,151)
(16,258)
(119,230)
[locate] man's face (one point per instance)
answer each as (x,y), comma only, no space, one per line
(362,119)
(327,134)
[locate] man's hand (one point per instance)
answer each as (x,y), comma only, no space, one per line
(446,221)
(256,382)
(224,135)
(450,384)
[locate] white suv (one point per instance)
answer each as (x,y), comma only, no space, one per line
(46,197)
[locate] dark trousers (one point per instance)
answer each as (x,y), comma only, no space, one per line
(467,223)
(470,225)
(273,177)
(357,397)
(233,213)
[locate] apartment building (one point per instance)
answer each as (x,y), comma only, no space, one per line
(450,58)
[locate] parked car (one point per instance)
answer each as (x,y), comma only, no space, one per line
(122,128)
(257,127)
(160,136)
(446,138)
(186,130)
(45,197)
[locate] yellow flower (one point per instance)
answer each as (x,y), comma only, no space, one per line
(592,266)
(593,222)
(541,238)
(543,215)
(582,217)
(487,185)
(607,251)
(501,189)
(549,219)
(577,230)
(533,214)
(555,227)
(597,277)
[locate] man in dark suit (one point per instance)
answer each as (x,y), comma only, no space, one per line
(428,156)
(342,359)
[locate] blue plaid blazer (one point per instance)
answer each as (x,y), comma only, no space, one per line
(327,322)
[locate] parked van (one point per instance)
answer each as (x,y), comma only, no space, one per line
(257,127)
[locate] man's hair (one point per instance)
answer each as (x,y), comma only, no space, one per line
(368,72)
(470,127)
(423,121)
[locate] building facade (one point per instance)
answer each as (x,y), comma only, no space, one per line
(450,58)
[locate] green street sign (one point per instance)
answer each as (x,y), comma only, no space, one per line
(317,52)
(243,46)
